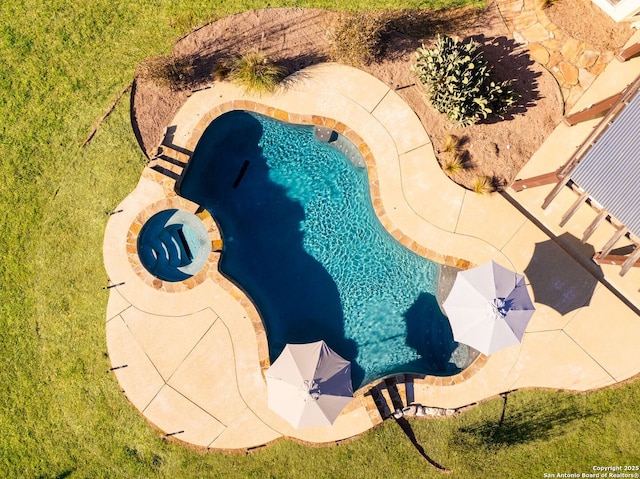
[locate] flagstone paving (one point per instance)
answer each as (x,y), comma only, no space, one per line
(574,63)
(192,358)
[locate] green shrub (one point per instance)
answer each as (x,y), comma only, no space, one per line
(255,72)
(173,72)
(459,81)
(354,37)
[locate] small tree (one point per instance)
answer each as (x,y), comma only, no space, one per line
(459,81)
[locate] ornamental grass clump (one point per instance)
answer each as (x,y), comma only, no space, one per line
(459,81)
(452,144)
(453,165)
(255,72)
(482,185)
(453,158)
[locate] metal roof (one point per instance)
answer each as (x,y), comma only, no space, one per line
(610,170)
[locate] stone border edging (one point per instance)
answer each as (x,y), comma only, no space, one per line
(179,203)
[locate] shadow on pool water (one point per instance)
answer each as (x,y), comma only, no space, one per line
(263,223)
(292,290)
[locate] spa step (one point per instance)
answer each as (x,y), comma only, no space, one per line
(172,249)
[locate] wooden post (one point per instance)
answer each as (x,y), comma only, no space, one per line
(571,211)
(612,242)
(593,111)
(592,227)
(540,180)
(627,262)
(627,53)
(630,261)
(554,192)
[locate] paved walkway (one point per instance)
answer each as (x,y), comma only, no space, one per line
(191,359)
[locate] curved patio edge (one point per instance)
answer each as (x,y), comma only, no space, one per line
(415,201)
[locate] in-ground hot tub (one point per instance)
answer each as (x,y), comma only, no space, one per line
(173,245)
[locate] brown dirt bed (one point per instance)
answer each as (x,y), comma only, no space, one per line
(297,38)
(584,20)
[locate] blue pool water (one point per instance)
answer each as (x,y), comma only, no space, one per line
(301,238)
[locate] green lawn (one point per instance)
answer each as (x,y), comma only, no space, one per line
(61,415)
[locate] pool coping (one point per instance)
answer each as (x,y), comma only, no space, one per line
(372,174)
(171,185)
(404,171)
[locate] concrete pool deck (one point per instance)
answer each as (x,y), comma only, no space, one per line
(191,359)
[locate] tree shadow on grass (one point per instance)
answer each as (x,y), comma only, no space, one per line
(538,423)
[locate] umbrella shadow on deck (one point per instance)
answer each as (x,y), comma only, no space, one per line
(557,279)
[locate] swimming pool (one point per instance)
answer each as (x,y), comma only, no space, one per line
(303,241)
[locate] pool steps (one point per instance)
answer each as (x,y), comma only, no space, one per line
(169,162)
(340,143)
(389,395)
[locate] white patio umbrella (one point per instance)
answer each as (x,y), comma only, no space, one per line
(309,384)
(489,307)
